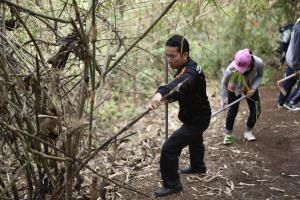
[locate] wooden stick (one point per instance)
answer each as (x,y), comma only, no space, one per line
(279,83)
(94,189)
(229,105)
(166,105)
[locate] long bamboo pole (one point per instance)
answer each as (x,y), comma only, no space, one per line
(141,37)
(228,106)
(166,105)
(93,70)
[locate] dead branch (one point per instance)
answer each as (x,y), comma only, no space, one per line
(14,130)
(11,4)
(141,37)
(31,37)
(14,179)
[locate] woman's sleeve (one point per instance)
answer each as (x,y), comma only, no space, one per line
(224,84)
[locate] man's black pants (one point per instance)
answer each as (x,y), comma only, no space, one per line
(171,150)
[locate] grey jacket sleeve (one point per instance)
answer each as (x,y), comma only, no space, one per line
(260,74)
(296,50)
(224,84)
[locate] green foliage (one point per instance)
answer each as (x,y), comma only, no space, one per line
(236,77)
(268,75)
(112,113)
(243,25)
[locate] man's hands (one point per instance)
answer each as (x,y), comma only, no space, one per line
(155,101)
(298,72)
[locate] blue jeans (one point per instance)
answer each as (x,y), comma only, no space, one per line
(287,85)
(294,97)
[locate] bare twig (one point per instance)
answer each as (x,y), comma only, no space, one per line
(141,37)
(14,179)
(31,37)
(11,4)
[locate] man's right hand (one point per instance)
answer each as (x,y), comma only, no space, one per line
(298,72)
(155,101)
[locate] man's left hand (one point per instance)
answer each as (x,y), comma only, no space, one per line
(155,101)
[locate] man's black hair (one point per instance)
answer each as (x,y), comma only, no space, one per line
(180,42)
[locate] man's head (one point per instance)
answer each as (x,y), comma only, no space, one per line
(177,51)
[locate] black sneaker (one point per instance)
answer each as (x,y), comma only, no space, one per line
(161,192)
(190,170)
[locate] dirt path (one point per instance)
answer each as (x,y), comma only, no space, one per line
(266,169)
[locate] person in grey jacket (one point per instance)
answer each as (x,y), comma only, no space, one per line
(242,76)
(293,61)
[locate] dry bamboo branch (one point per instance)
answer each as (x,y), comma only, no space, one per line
(11,4)
(50,157)
(14,179)
(69,184)
(141,37)
(130,124)
(94,189)
(31,36)
(14,130)
(93,70)
(3,186)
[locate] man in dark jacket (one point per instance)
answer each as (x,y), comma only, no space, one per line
(194,113)
(288,85)
(293,60)
(285,32)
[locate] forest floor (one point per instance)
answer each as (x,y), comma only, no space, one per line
(268,168)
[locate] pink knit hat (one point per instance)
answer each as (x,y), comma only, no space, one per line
(242,60)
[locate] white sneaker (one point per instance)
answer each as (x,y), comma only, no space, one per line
(249,136)
(290,107)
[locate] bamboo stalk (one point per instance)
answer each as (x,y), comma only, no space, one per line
(11,4)
(130,124)
(14,179)
(69,184)
(228,106)
(50,157)
(92,71)
(31,36)
(166,105)
(141,37)
(94,188)
(123,185)
(4,186)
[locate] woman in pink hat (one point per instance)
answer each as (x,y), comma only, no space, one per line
(242,76)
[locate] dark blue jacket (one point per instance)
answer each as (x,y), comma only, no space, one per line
(194,108)
(293,53)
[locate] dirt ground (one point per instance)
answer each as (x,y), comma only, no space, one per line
(268,168)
